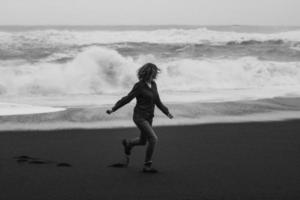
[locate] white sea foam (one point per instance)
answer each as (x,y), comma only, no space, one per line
(195,113)
(243,73)
(104,71)
(97,70)
(199,35)
(7,109)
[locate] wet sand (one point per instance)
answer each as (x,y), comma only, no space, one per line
(213,161)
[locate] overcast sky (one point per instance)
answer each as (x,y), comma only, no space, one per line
(149,12)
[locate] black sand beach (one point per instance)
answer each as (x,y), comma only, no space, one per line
(214,161)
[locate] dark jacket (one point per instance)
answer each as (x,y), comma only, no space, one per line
(146,99)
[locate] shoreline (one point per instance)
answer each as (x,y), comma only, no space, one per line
(95,117)
(216,120)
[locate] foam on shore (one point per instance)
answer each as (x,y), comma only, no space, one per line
(7,109)
(92,117)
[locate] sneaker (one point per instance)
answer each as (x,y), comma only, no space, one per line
(127,148)
(148,169)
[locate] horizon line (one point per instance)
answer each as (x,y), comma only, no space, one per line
(146,25)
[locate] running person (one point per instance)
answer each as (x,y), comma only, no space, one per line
(146,94)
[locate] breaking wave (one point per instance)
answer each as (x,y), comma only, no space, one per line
(99,70)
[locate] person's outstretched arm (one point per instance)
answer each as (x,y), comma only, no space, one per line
(126,99)
(160,105)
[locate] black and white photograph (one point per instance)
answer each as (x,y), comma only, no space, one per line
(149,100)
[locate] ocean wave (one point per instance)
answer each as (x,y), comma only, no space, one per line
(253,42)
(97,70)
(63,45)
(100,70)
(167,36)
(36,45)
(273,50)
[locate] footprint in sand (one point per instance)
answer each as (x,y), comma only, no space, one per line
(24,159)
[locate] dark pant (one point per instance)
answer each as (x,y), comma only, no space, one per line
(147,135)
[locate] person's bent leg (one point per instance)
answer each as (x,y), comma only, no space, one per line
(151,145)
(142,140)
(152,139)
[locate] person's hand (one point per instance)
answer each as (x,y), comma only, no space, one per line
(109,111)
(170,116)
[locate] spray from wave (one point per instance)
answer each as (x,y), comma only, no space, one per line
(104,71)
(97,70)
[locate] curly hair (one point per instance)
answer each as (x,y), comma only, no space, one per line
(147,70)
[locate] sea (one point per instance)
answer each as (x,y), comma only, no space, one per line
(56,77)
